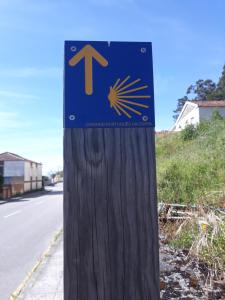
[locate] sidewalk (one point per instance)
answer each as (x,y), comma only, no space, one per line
(181,277)
(27,195)
(46,282)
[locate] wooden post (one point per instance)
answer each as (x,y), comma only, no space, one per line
(110,214)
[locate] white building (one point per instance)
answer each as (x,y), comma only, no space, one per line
(194,112)
(19,174)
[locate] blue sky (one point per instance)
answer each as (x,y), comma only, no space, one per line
(188,43)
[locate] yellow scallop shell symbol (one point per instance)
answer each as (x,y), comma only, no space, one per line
(120,94)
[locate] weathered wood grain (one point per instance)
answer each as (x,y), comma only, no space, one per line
(110,214)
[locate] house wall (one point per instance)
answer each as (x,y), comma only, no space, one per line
(17,188)
(191,118)
(13,173)
(33,176)
(1,168)
(13,168)
(205,113)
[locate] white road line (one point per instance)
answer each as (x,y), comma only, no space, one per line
(12,214)
(38,203)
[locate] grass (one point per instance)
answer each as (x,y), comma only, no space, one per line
(191,167)
(191,170)
(203,236)
(185,238)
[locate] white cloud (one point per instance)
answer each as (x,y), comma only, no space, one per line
(12,97)
(27,72)
(16,95)
(11,120)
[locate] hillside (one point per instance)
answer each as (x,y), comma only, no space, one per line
(191,165)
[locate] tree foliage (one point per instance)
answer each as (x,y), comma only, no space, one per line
(180,104)
(203,90)
(219,93)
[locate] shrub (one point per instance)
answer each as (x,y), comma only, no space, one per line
(202,127)
(216,116)
(188,133)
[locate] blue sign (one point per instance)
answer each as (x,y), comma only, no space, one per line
(108,84)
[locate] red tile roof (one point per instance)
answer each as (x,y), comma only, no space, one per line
(215,103)
(8,156)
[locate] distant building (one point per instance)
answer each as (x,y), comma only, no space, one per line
(194,112)
(19,175)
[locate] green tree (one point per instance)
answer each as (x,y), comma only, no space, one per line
(202,89)
(219,93)
(221,83)
(180,104)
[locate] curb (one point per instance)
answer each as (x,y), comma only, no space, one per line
(46,253)
(25,195)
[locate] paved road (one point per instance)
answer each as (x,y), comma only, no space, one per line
(27,226)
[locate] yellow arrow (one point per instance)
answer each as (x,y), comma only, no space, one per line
(88,53)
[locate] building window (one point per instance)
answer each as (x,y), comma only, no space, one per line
(1,168)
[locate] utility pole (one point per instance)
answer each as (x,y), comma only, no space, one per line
(110,204)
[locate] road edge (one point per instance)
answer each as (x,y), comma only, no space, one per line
(44,255)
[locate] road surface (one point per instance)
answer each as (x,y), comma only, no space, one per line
(27,226)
